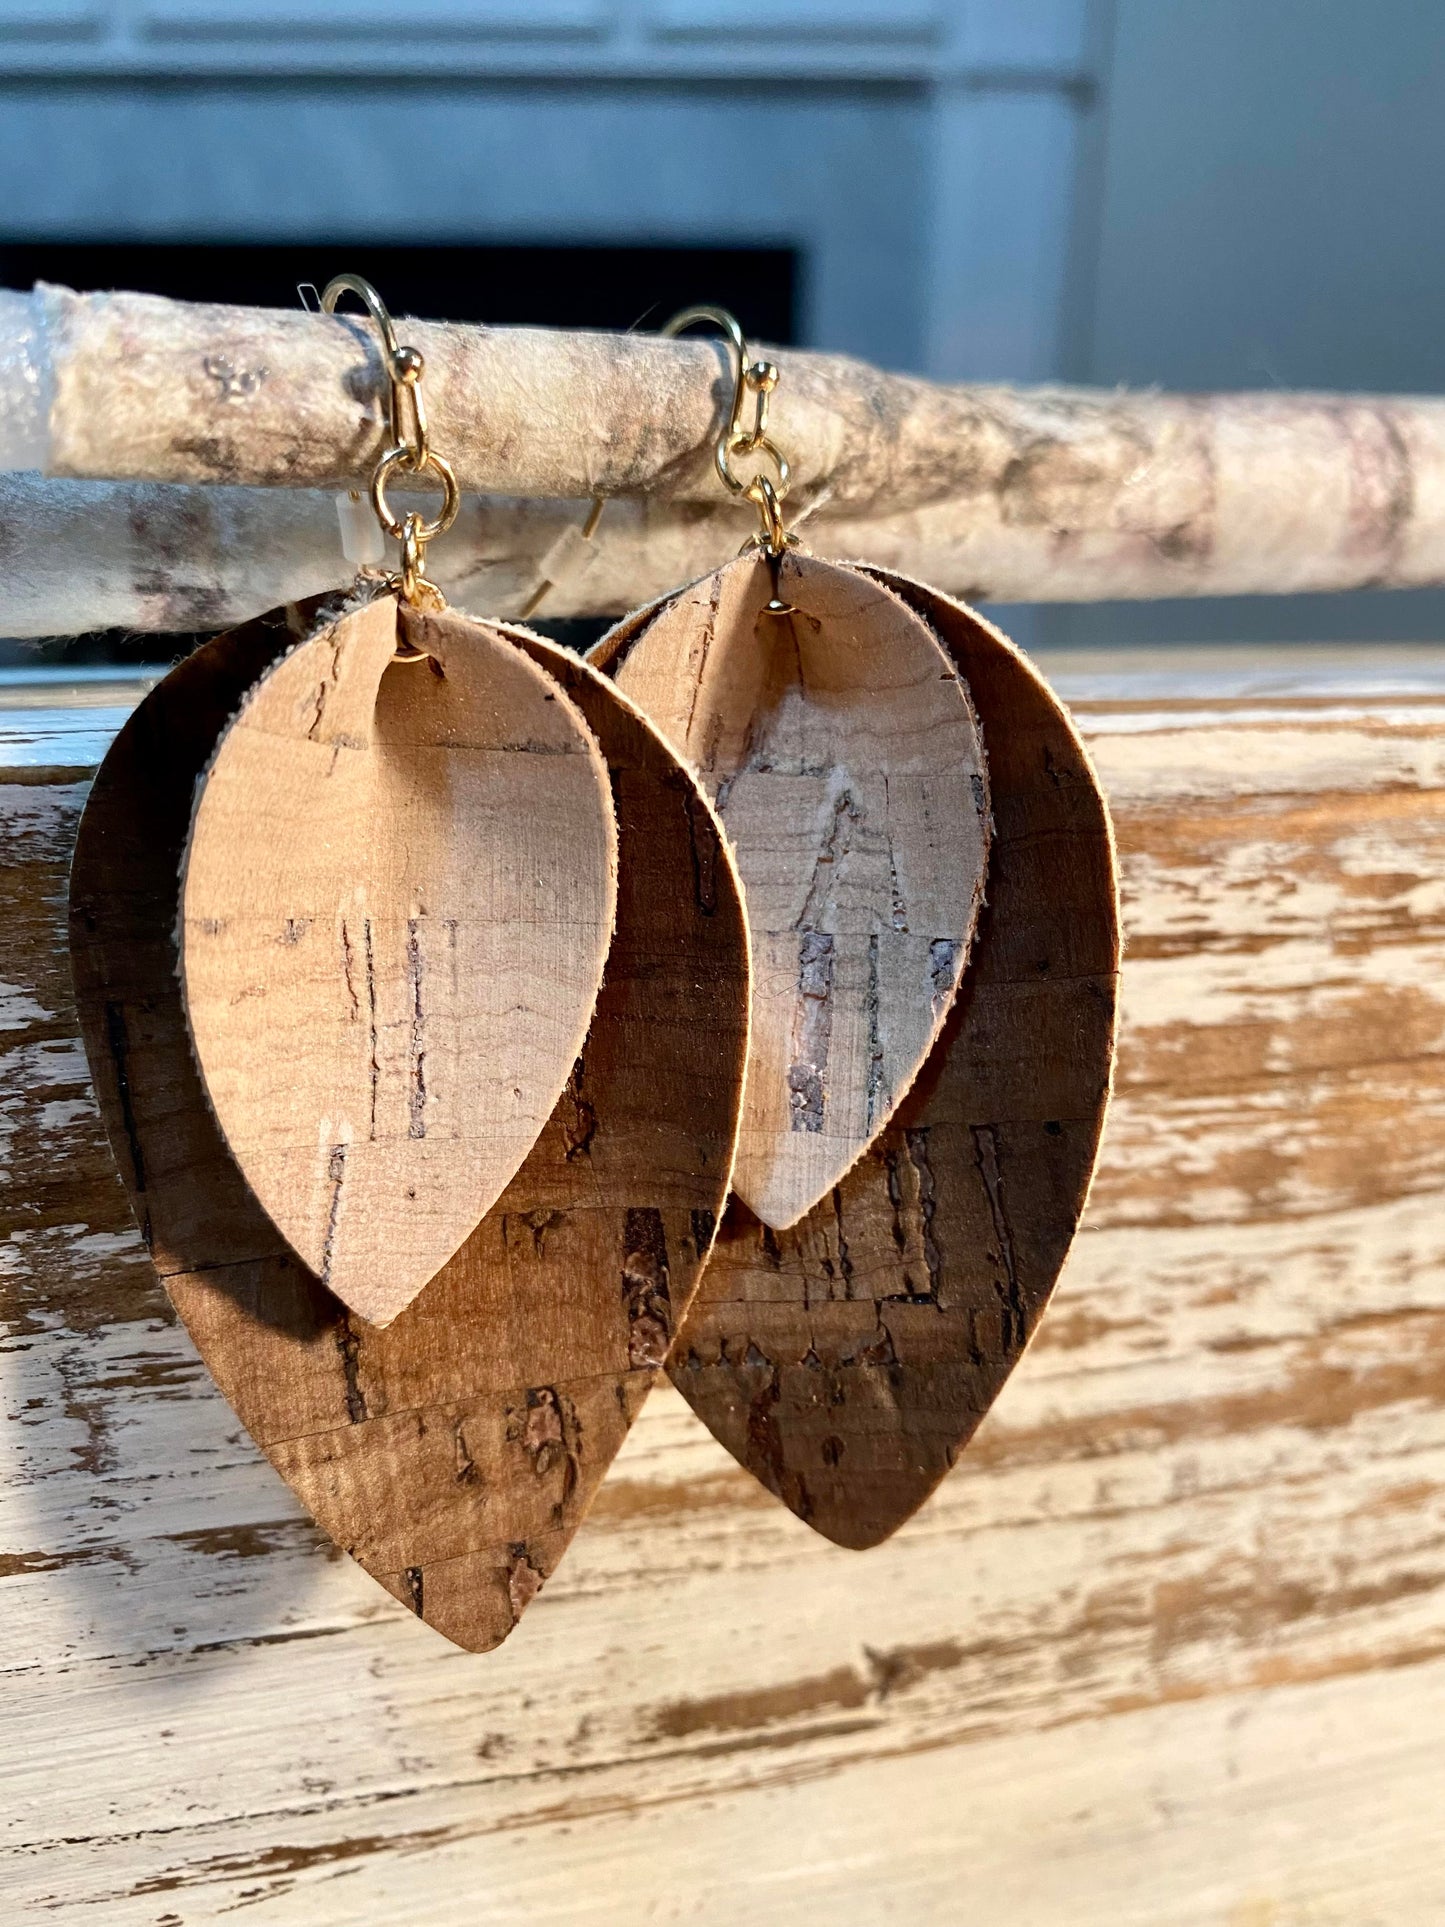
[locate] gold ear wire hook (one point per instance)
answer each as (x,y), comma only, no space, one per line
(403,365)
(753,382)
(410,452)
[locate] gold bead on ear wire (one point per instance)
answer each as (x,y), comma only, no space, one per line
(410,452)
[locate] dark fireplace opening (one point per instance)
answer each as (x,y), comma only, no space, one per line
(589,285)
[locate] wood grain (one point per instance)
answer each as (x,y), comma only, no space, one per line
(848,1361)
(397,898)
(1167,1650)
(839,745)
(454,1453)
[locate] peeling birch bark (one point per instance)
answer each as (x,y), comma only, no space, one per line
(453,1453)
(993,493)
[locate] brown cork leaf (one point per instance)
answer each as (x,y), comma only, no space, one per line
(847,1361)
(839,745)
(396,904)
(454,1453)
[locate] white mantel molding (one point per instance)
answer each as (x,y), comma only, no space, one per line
(1034,43)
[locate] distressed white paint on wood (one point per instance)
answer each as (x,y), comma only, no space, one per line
(1169,1647)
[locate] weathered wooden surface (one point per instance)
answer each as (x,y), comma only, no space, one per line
(840,749)
(992,493)
(848,1361)
(455,1452)
(1167,1649)
(397,898)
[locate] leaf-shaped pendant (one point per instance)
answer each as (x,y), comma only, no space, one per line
(840,748)
(454,1453)
(396,905)
(847,1362)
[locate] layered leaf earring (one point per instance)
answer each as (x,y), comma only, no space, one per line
(846,1355)
(430,1203)
(839,745)
(380,1038)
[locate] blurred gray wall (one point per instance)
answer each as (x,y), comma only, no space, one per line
(1272,201)
(1267,211)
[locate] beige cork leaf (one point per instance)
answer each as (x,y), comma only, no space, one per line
(847,1361)
(396,904)
(454,1453)
(839,746)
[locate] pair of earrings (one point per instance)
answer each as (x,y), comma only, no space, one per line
(439,987)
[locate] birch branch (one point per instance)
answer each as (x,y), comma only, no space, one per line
(220,422)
